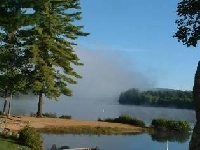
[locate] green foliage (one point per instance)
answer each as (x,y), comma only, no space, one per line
(125,119)
(158,98)
(30,137)
(51,47)
(11,144)
(132,121)
(160,123)
(49,115)
(65,117)
(38,39)
(170,125)
(188,23)
(12,59)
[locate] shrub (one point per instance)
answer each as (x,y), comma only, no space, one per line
(49,115)
(113,120)
(132,121)
(159,123)
(171,125)
(32,114)
(125,119)
(30,137)
(99,119)
(65,117)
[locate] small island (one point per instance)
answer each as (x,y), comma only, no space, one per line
(158,98)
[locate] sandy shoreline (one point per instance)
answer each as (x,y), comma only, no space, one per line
(15,123)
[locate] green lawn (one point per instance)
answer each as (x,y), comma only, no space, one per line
(7,144)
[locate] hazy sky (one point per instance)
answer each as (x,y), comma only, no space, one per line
(131,45)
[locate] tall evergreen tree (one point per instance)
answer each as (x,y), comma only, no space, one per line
(50,48)
(12,58)
(11,79)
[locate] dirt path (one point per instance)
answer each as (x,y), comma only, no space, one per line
(15,123)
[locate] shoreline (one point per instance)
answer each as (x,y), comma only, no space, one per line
(58,125)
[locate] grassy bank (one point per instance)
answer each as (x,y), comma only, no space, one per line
(122,124)
(10,144)
(88,130)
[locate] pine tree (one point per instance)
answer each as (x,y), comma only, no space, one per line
(12,60)
(40,36)
(50,48)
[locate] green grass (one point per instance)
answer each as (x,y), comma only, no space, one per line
(82,130)
(9,144)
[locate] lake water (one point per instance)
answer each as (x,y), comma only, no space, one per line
(92,109)
(113,142)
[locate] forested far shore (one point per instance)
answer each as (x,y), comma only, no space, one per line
(158,98)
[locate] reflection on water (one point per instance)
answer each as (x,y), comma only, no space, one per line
(170,136)
(54,147)
(114,142)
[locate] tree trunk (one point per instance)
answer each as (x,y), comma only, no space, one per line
(195,140)
(39,113)
(9,106)
(5,102)
(5,105)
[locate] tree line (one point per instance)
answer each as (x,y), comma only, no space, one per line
(37,48)
(158,98)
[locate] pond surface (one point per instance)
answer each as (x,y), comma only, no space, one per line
(113,142)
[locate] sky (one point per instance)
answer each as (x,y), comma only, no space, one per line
(131,45)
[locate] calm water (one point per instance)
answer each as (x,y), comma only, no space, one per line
(91,109)
(113,142)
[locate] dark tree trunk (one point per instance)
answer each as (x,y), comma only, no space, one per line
(9,106)
(5,105)
(39,113)
(5,102)
(195,140)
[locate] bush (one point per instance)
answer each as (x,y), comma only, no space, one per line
(32,114)
(99,119)
(132,121)
(28,136)
(49,115)
(159,123)
(171,125)
(113,120)
(125,119)
(65,117)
